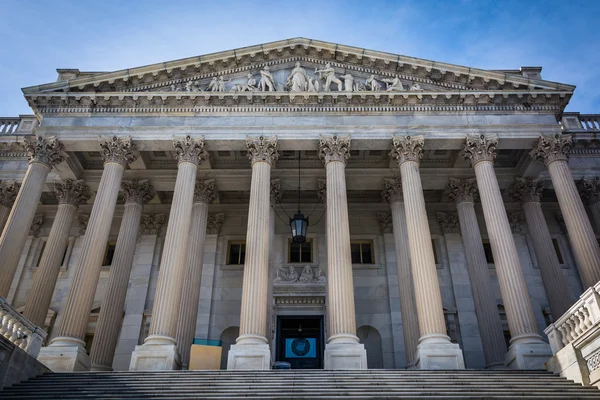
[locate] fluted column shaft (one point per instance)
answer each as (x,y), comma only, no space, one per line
(508,267)
(340,293)
(111,311)
(427,291)
(44,281)
(410,322)
(581,235)
(552,276)
(19,221)
(87,271)
(188,313)
(488,318)
(253,317)
(165,312)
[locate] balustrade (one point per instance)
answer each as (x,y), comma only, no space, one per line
(20,331)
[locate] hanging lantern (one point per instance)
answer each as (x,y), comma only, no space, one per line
(299,224)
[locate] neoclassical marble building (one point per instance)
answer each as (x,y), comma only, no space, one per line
(449,211)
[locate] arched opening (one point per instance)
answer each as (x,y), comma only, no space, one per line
(227,338)
(371,338)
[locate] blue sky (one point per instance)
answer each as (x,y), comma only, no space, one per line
(36,37)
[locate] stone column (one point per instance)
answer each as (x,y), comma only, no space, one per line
(205,193)
(43,154)
(527,349)
(251,349)
(276,194)
(343,350)
(529,191)
(435,350)
(392,193)
(159,351)
(70,195)
(554,153)
(8,194)
(135,193)
(464,192)
(66,351)
(589,190)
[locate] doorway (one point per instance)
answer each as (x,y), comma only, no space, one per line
(300,341)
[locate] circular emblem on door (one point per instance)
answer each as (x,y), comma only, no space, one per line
(300,347)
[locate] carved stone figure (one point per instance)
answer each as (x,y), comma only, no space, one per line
(286,276)
(189,86)
(393,85)
(213,86)
(415,87)
(250,85)
(298,79)
(372,84)
(320,276)
(348,82)
(266,83)
(307,274)
(221,84)
(313,84)
(328,73)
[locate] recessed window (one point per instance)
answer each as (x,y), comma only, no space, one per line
(557,250)
(236,253)
(300,253)
(487,249)
(109,253)
(362,251)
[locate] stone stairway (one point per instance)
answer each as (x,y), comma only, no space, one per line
(371,384)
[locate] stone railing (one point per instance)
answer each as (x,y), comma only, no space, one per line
(576,122)
(575,340)
(21,125)
(19,330)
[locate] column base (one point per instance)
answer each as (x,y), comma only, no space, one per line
(249,356)
(496,365)
(155,357)
(528,354)
(65,356)
(101,368)
(438,352)
(345,355)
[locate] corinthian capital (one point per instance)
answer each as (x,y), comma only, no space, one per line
(549,149)
(205,191)
(449,222)
(118,150)
(36,225)
(407,148)
(276,192)
(589,190)
(214,223)
(190,150)
(526,190)
(334,148)
(392,190)
(462,190)
(262,149)
(480,148)
(48,151)
(72,192)
(8,193)
(137,191)
(322,190)
(384,219)
(151,224)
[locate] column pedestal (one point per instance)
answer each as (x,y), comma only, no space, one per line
(69,355)
(253,353)
(436,352)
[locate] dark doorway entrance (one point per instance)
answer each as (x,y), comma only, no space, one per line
(300,341)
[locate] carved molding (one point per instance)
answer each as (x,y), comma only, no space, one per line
(138,191)
(45,150)
(205,191)
(384,219)
(36,225)
(526,190)
(548,149)
(462,190)
(392,190)
(334,148)
(119,150)
(72,192)
(589,190)
(214,223)
(276,192)
(83,223)
(479,148)
(151,224)
(449,222)
(262,149)
(190,150)
(407,148)
(8,193)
